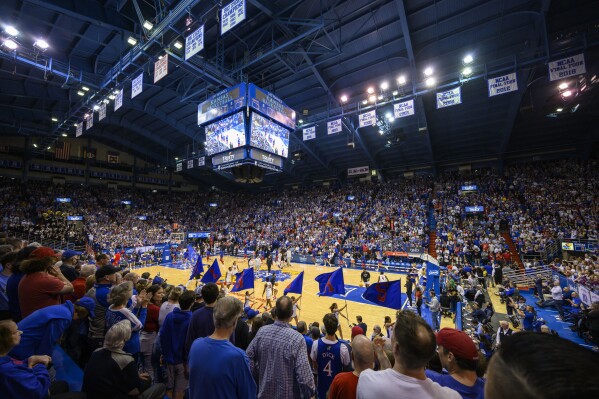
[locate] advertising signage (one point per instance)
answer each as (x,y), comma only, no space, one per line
(222,103)
(271,105)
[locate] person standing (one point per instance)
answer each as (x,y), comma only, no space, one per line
(345,384)
(148,335)
(278,358)
(418,298)
(201,323)
(557,295)
(503,331)
(365,277)
(409,286)
(434,307)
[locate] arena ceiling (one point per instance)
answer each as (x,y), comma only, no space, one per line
(309,53)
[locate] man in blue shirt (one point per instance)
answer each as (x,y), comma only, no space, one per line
(459,356)
(217,369)
(201,323)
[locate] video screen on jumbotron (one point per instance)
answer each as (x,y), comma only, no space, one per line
(269,136)
(226,134)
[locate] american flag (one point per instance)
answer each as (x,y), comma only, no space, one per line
(62,150)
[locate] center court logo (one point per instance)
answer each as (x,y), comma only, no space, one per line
(263,274)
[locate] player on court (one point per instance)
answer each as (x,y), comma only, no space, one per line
(234,268)
(325,259)
(383,278)
(336,312)
(365,277)
(295,308)
(268,291)
(229,278)
(288,260)
(248,299)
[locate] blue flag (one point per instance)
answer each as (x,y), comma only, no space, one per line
(212,274)
(197,269)
(244,280)
(331,283)
(296,285)
(386,294)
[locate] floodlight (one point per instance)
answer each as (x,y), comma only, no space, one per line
(567,93)
(11,44)
(467,71)
(559,110)
(65,135)
(430,82)
(468,59)
(344,98)
(41,44)
(112,97)
(364,102)
(11,30)
(85,88)
(384,85)
(148,25)
(96,107)
(132,41)
(372,98)
(80,93)
(401,80)
(428,71)
(370,90)
(178,45)
(563,86)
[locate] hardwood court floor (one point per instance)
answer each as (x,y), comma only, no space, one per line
(313,307)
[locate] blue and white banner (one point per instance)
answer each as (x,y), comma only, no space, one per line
(79,129)
(194,43)
(190,164)
(137,85)
(231,14)
(334,126)
(585,295)
(118,100)
(309,133)
(89,121)
(367,118)
(361,170)
(503,84)
(102,112)
(161,68)
(567,67)
(179,166)
(449,98)
(201,161)
(401,110)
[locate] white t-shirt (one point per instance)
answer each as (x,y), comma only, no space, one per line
(165,309)
(344,352)
(556,293)
(391,384)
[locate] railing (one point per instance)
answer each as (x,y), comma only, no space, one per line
(528,276)
(46,242)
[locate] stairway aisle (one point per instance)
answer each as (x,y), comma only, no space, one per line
(513,250)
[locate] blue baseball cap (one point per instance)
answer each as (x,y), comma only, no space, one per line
(89,304)
(69,253)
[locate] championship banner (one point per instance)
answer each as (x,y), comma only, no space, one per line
(401,110)
(112,157)
(102,112)
(503,84)
(334,126)
(194,43)
(361,170)
(231,15)
(118,100)
(201,161)
(190,164)
(566,67)
(161,68)
(89,121)
(449,98)
(309,133)
(179,166)
(79,129)
(368,118)
(137,85)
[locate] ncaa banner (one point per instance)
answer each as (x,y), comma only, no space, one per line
(118,100)
(179,166)
(89,121)
(190,164)
(137,85)
(231,15)
(503,84)
(449,98)
(161,68)
(201,161)
(309,133)
(194,43)
(361,170)
(102,112)
(79,129)
(367,118)
(334,126)
(401,110)
(567,67)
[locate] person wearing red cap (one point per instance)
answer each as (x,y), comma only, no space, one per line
(459,356)
(43,283)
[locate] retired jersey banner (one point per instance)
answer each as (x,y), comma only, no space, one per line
(368,118)
(362,170)
(201,161)
(231,14)
(190,164)
(503,84)
(118,100)
(79,129)
(137,85)
(334,126)
(102,112)
(161,68)
(89,121)
(567,67)
(194,43)
(309,133)
(179,166)
(449,98)
(401,110)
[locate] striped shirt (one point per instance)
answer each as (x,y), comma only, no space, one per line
(279,363)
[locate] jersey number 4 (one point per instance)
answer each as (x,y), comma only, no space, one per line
(328,369)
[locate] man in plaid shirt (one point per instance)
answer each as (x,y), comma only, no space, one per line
(278,358)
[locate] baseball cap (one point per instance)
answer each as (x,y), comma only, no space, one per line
(89,304)
(158,280)
(69,253)
(356,330)
(43,252)
(458,343)
(105,271)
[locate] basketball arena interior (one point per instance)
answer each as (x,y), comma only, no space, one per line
(282,199)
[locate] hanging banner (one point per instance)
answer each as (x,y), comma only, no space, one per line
(190,164)
(503,84)
(585,295)
(567,67)
(137,85)
(118,100)
(79,129)
(194,43)
(368,118)
(449,98)
(201,161)
(102,112)
(401,110)
(89,121)
(161,68)
(309,133)
(334,126)
(231,14)
(362,170)
(179,166)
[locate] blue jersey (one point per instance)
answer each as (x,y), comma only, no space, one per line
(329,365)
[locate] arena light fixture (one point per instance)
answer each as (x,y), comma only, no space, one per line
(380,97)
(41,44)
(563,86)
(468,59)
(401,80)
(428,71)
(54,119)
(176,158)
(384,85)
(148,25)
(372,98)
(388,115)
(11,31)
(35,145)
(74,124)
(49,148)
(430,81)
(370,90)
(80,93)
(96,107)
(567,93)
(85,88)
(301,121)
(381,132)
(395,92)
(559,110)
(112,97)
(178,45)
(364,102)
(467,71)
(65,135)
(11,44)
(344,98)
(132,41)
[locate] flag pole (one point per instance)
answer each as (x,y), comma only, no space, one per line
(347,312)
